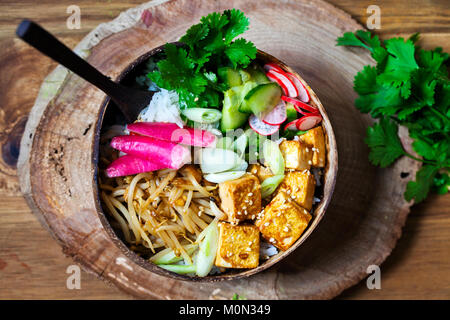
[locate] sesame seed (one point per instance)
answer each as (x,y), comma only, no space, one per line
(248,249)
(251,202)
(309,162)
(253,216)
(272,240)
(246,200)
(250,194)
(278,214)
(286,229)
(307,149)
(246,213)
(288,192)
(266,224)
(293,197)
(239,213)
(244,207)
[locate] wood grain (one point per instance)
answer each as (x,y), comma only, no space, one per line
(416,269)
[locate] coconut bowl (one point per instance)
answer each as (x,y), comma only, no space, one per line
(110,114)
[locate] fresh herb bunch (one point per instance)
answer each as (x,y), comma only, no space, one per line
(409,86)
(191,69)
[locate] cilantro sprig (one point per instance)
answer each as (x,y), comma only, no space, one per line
(191,68)
(409,86)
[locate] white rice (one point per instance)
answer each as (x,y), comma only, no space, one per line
(163,107)
(267,249)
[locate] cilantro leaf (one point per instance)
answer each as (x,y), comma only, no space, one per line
(385,146)
(241,52)
(418,190)
(366,81)
(360,38)
(238,24)
(441,183)
(399,65)
(194,34)
(191,69)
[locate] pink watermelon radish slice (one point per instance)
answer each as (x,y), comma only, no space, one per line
(172,132)
(168,154)
(128,165)
(308,122)
(277,115)
(262,128)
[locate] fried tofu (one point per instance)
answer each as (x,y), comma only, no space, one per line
(260,171)
(241,198)
(297,155)
(300,186)
(238,246)
(315,139)
(283,221)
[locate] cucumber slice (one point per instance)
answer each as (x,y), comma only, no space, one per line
(231,117)
(291,113)
(245,76)
(257,74)
(244,90)
(261,99)
(230,76)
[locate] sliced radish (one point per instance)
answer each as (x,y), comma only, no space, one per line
(260,127)
(308,122)
(272,66)
(280,83)
(300,104)
(291,125)
(277,115)
(303,93)
(283,80)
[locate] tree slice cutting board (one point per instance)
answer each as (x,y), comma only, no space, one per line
(361,225)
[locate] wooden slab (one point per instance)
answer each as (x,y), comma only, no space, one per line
(362,223)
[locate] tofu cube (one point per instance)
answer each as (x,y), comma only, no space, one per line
(315,139)
(260,171)
(238,246)
(283,221)
(300,186)
(240,198)
(297,155)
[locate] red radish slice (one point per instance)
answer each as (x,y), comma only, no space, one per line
(308,122)
(128,165)
(300,104)
(291,125)
(283,80)
(303,93)
(280,83)
(272,66)
(260,127)
(168,154)
(172,132)
(277,115)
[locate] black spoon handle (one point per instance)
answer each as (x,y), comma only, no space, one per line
(47,44)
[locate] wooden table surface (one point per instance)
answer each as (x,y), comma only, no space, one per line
(33,266)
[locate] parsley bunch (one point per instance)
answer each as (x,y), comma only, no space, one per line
(409,86)
(191,69)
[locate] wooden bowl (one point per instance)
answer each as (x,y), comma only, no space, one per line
(109,113)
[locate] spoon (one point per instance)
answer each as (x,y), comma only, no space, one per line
(129,100)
